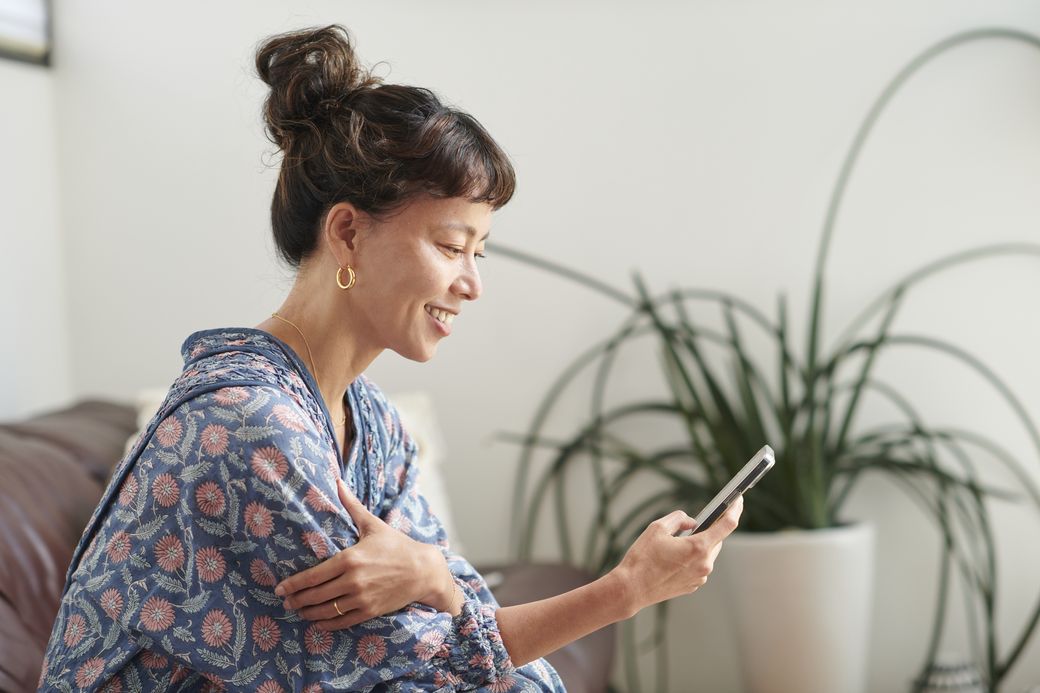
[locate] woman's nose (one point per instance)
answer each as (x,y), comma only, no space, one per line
(468,284)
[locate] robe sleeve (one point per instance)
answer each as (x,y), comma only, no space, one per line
(235,492)
(405,508)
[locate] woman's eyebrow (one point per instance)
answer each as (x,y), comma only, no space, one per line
(464,227)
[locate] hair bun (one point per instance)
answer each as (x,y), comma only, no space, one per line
(312,73)
(347,137)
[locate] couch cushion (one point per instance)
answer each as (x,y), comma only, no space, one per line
(52,470)
(94,431)
(45,499)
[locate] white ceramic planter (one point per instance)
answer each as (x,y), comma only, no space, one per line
(801,602)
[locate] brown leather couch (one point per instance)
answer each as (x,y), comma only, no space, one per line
(53,469)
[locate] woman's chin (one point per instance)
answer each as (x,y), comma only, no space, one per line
(420,355)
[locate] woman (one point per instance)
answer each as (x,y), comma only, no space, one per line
(219,558)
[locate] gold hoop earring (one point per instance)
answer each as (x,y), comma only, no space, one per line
(339,277)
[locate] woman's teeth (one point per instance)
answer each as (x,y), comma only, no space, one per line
(441,315)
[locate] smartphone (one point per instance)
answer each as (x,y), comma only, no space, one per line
(747,477)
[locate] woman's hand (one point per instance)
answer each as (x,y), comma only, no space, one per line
(385,571)
(660,565)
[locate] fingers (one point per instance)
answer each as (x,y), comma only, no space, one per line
(319,594)
(714,553)
(336,614)
(328,569)
(675,522)
(737,509)
(349,619)
(332,609)
(725,525)
(357,510)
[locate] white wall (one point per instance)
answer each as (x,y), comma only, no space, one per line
(696,142)
(34,346)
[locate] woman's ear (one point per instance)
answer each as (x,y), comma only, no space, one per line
(344,226)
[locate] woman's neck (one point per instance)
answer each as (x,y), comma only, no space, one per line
(316,325)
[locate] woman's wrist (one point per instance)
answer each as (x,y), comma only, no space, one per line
(444,594)
(620,590)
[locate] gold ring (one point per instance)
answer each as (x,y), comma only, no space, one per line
(337,607)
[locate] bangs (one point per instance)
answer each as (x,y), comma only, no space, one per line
(463,161)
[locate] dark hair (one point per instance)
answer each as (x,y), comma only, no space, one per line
(346,136)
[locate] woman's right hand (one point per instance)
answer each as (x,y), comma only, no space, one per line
(660,565)
(383,572)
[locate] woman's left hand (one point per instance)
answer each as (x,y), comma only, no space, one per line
(384,572)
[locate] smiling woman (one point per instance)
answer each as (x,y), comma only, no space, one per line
(266,531)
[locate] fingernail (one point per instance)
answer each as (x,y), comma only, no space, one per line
(279,590)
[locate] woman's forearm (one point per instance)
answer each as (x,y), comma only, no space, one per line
(533,630)
(659,566)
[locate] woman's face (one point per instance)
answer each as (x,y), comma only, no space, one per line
(417,269)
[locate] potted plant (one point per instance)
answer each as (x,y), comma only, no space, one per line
(728,399)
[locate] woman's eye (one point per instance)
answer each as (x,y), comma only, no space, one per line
(461,251)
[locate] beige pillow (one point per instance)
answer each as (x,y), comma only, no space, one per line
(147,403)
(417,416)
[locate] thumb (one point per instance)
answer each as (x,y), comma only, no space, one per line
(355,508)
(722,529)
(676,521)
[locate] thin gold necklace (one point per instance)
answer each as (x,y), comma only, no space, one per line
(310,355)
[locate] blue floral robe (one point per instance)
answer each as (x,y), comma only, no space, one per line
(229,490)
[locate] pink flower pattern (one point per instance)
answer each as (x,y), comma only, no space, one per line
(210,499)
(216,628)
(270,687)
(210,564)
(261,573)
(112,602)
(128,492)
(288,417)
(372,649)
(156,614)
(231,395)
(89,671)
(429,644)
(317,641)
(75,629)
(165,490)
(169,432)
(315,541)
(169,553)
(239,473)
(214,439)
(259,521)
(502,685)
(266,633)
(119,547)
(318,501)
(398,520)
(154,660)
(269,464)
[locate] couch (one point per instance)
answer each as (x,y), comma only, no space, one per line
(53,470)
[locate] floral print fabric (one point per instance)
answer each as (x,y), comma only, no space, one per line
(231,489)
